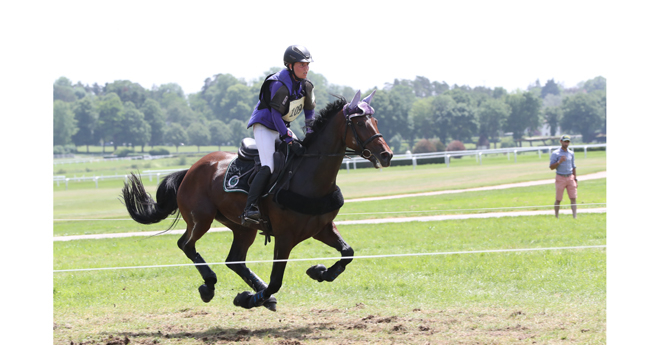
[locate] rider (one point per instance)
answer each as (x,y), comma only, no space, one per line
(284,95)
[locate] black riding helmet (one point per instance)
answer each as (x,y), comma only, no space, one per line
(295,54)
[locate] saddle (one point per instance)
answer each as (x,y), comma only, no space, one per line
(243,168)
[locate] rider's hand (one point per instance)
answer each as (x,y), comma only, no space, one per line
(297,148)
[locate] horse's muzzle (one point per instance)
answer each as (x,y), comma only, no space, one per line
(385,158)
(382,160)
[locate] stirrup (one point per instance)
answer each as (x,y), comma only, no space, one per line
(254,218)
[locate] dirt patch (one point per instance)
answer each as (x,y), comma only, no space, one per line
(321,326)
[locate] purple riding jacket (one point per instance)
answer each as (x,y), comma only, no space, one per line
(272,118)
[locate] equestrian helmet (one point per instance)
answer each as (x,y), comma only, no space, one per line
(295,54)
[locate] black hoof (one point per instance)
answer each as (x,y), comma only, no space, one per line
(243,299)
(206,293)
(271,303)
(316,272)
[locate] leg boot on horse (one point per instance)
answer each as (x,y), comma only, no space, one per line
(252,213)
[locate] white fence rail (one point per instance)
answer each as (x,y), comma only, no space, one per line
(478,154)
(109,158)
(413,158)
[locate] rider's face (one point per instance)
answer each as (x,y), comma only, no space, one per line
(301,69)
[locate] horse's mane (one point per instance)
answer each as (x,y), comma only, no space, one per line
(323,118)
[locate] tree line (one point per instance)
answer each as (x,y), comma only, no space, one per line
(125,113)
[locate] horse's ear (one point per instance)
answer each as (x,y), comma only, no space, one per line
(368,98)
(355,101)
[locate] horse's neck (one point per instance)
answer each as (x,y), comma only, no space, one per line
(316,176)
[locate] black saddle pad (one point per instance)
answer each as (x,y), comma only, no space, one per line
(238,175)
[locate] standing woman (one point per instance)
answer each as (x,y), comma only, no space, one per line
(284,96)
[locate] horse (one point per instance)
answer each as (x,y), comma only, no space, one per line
(198,195)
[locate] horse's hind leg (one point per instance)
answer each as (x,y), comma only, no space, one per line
(243,239)
(195,230)
(330,236)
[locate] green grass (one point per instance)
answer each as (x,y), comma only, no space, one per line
(82,150)
(542,287)
(461,173)
(547,297)
(506,200)
(89,205)
(118,167)
(83,201)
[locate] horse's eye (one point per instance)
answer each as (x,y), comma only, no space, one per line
(361,124)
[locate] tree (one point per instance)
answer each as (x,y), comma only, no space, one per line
(492,115)
(443,114)
(127,91)
(344,91)
(238,131)
(601,99)
(532,109)
(155,117)
(552,116)
(215,92)
(198,135)
(598,83)
(176,135)
(459,95)
(524,113)
(550,88)
(401,99)
(463,124)
(134,129)
(110,119)
(64,123)
(168,93)
(87,118)
(180,113)
(421,116)
(322,89)
(422,87)
(220,133)
(199,105)
(499,92)
(63,90)
(582,114)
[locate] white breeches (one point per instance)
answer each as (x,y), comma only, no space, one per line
(265,139)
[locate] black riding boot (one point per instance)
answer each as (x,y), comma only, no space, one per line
(252,213)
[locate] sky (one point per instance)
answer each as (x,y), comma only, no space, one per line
(360,44)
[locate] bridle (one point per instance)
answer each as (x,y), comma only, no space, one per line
(355,108)
(362,109)
(367,111)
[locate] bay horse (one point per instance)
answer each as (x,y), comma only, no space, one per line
(199,197)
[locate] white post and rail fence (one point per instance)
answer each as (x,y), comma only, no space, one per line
(398,159)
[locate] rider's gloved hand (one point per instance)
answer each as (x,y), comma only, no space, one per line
(297,148)
(288,137)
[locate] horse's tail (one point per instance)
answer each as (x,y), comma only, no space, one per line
(142,208)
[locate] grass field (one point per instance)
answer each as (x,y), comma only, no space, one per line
(518,297)
(545,296)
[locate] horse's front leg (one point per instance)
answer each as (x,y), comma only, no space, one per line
(249,300)
(243,239)
(330,236)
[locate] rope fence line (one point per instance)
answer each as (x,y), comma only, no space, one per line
(334,258)
(395,212)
